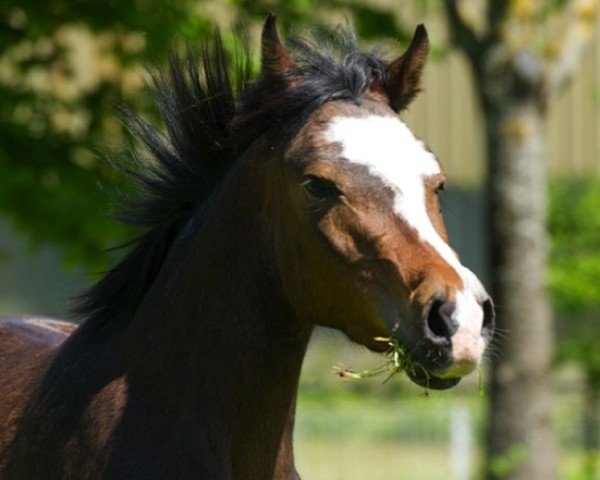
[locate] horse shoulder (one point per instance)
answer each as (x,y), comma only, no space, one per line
(27,345)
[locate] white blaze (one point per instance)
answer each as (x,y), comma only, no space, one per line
(391,152)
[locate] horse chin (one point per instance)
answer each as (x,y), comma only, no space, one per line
(427,380)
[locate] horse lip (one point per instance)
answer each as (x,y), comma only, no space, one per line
(443,378)
(430,380)
(456,370)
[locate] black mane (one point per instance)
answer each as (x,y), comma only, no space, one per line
(211,118)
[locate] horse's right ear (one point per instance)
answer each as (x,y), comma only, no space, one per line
(275,59)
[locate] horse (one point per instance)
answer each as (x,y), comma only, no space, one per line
(275,202)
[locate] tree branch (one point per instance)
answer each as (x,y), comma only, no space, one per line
(496,13)
(576,43)
(461,33)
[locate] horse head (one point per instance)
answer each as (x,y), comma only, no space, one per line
(362,245)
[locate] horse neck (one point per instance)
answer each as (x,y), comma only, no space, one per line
(222,337)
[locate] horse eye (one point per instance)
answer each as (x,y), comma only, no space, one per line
(440,187)
(320,188)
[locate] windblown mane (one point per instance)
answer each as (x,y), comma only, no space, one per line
(211,118)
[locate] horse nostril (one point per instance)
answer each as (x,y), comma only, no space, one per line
(487,330)
(440,323)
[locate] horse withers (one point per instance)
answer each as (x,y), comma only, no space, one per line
(272,204)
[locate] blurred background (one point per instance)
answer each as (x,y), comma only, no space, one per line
(512,110)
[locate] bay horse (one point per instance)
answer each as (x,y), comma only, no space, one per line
(273,204)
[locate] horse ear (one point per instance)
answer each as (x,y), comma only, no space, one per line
(402,80)
(275,59)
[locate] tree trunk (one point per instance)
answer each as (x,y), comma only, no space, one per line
(520,442)
(591,425)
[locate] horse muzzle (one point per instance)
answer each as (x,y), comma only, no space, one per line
(453,338)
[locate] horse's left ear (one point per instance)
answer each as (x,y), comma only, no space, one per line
(275,59)
(402,79)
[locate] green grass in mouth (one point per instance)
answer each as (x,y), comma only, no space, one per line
(397,360)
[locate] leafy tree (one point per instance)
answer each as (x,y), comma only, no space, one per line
(574,284)
(65,66)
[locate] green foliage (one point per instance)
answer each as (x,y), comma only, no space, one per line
(36,19)
(574,221)
(503,466)
(373,22)
(55,120)
(575,232)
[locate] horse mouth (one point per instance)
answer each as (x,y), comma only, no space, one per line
(428,380)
